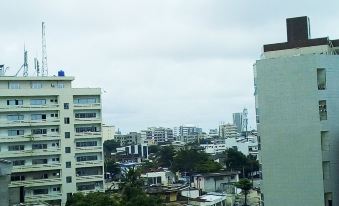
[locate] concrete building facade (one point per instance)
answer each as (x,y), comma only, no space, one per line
(237,121)
(108,132)
(51,133)
(158,134)
(297,108)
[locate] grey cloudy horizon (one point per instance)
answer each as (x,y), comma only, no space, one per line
(160,63)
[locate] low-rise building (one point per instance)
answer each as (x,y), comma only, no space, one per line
(132,153)
(213,182)
(210,199)
(228,131)
(162,177)
(160,135)
(128,139)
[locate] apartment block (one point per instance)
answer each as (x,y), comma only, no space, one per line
(51,133)
(159,135)
(297,108)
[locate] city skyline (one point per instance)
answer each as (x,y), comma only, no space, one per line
(159,63)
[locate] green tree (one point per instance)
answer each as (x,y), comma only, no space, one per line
(92,199)
(245,185)
(110,146)
(165,156)
(153,149)
(234,160)
(111,166)
(191,161)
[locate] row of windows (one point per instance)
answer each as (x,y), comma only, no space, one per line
(34,85)
(34,146)
(44,101)
(18,117)
(86,144)
(85,115)
(86,129)
(34,161)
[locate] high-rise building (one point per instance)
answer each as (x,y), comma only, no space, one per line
(237,121)
(228,131)
(296,92)
(51,133)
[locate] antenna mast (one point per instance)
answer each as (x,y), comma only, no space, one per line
(25,65)
(44,67)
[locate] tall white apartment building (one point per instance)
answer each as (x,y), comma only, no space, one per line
(185,130)
(157,134)
(297,106)
(52,134)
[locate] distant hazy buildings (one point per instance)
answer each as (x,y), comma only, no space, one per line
(296,92)
(187,129)
(108,132)
(228,131)
(158,134)
(128,139)
(237,121)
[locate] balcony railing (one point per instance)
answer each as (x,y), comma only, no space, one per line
(25,138)
(88,149)
(35,152)
(43,197)
(87,135)
(83,106)
(34,183)
(26,123)
(94,163)
(86,120)
(38,167)
(27,107)
(89,178)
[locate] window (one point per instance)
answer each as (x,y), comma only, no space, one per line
(67,134)
(18,162)
(55,159)
(15,117)
(60,85)
(15,102)
(87,158)
(40,191)
(86,129)
(38,117)
(16,132)
(326,170)
(86,144)
(39,131)
(56,189)
(68,164)
(39,146)
(54,115)
(55,144)
(38,101)
(86,187)
(13,85)
(54,100)
(321,79)
(16,147)
(67,150)
(325,145)
(66,120)
(39,161)
(36,85)
(85,101)
(66,105)
(322,110)
(18,178)
(69,179)
(85,115)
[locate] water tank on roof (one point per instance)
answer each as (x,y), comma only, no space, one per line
(61,73)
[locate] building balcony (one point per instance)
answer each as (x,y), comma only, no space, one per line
(35,183)
(89,178)
(88,149)
(84,135)
(38,167)
(27,138)
(87,106)
(25,153)
(43,197)
(29,123)
(87,121)
(28,108)
(94,163)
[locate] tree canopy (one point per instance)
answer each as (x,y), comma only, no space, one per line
(110,146)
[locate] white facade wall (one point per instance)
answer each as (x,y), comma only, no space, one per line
(52,134)
(108,132)
(299,151)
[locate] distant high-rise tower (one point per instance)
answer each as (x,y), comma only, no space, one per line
(237,121)
(297,108)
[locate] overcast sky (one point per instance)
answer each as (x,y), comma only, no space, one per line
(160,63)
